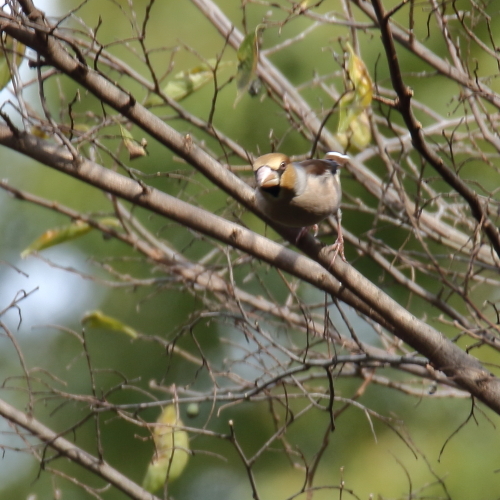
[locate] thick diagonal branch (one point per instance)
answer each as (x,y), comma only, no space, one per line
(356,290)
(465,370)
(428,223)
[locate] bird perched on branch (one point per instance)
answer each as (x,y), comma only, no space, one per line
(300,194)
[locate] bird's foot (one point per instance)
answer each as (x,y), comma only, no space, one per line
(338,247)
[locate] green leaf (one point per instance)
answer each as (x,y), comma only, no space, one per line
(171,450)
(63,234)
(347,111)
(187,82)
(97,319)
(354,124)
(248,57)
(193,410)
(11,52)
(360,79)
(57,236)
(357,134)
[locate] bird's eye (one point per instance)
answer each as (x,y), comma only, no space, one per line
(282,165)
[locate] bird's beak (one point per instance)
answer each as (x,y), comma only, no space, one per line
(267,177)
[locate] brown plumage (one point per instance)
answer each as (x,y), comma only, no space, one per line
(300,194)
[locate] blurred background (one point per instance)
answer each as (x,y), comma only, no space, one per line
(423,447)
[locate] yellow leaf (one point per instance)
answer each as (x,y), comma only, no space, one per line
(97,319)
(172,450)
(360,79)
(63,234)
(347,111)
(39,132)
(134,149)
(11,52)
(57,236)
(354,126)
(357,134)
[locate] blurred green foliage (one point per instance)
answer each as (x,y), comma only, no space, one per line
(372,462)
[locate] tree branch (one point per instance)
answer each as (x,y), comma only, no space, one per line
(427,223)
(464,369)
(405,95)
(74,453)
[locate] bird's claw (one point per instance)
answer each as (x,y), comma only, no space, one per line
(338,246)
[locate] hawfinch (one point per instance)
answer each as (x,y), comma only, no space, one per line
(300,194)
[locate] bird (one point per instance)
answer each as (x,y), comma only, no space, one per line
(301,194)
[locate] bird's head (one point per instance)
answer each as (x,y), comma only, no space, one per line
(269,172)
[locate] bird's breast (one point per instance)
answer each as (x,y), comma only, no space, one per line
(317,201)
